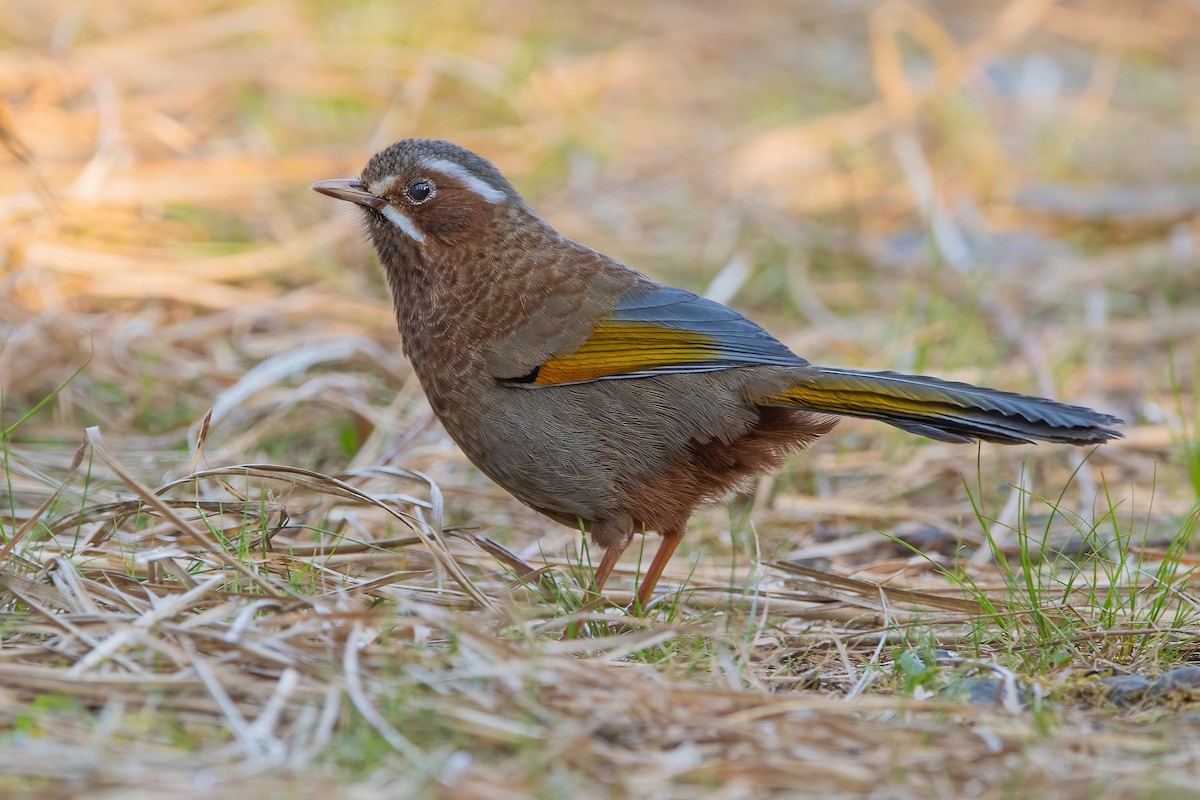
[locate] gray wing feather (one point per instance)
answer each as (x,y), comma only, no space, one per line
(741,342)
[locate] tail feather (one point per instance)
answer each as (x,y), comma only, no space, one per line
(945,410)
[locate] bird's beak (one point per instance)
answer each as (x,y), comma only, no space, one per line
(350,189)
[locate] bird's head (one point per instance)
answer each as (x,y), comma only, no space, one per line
(421,195)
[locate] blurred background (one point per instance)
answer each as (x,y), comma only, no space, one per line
(1000,192)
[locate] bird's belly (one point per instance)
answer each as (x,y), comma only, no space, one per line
(596,450)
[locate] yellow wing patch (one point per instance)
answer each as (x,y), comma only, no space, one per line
(617,348)
(843,401)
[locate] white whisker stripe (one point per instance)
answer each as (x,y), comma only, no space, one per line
(471,181)
(401,221)
(380,186)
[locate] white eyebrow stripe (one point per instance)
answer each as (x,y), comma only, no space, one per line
(380,186)
(401,221)
(473,182)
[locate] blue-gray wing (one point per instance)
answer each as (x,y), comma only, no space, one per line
(659,330)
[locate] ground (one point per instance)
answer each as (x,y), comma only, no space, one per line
(241,558)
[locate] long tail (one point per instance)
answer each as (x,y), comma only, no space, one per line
(944,410)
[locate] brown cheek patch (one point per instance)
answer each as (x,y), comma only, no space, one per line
(454,214)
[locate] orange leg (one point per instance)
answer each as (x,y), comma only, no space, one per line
(611,556)
(666,549)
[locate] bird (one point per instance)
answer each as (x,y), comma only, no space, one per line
(603,399)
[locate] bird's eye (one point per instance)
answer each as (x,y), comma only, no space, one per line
(419,191)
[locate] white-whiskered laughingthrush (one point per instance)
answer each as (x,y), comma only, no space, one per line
(602,398)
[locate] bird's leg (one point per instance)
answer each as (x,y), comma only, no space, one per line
(613,534)
(670,540)
(611,556)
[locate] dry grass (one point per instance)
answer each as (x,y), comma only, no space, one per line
(996,192)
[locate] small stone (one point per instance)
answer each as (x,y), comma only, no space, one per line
(1183,680)
(987,692)
(1125,690)
(926,538)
